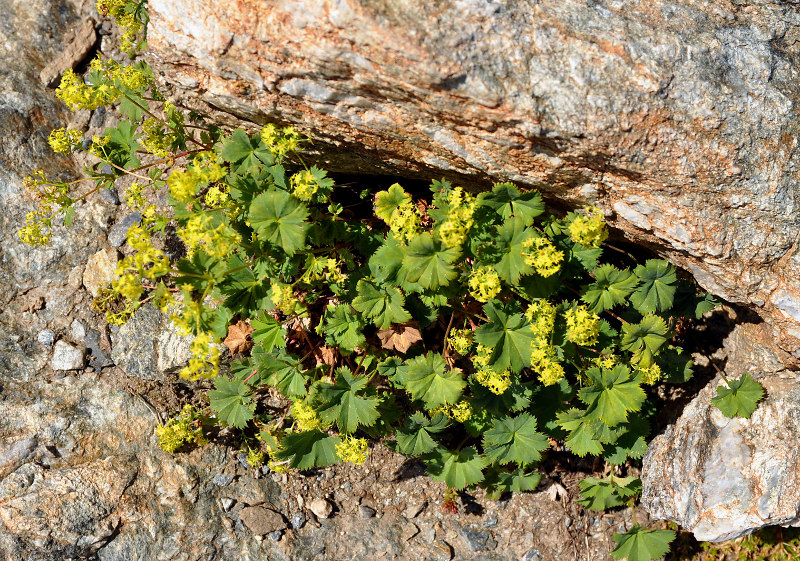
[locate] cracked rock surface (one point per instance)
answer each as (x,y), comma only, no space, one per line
(679,118)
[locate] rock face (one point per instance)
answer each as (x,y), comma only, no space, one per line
(678,118)
(723,478)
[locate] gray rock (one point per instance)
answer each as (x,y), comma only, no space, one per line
(149,346)
(366,512)
(66,357)
(276,535)
(223,479)
(490,522)
(118,232)
(77,330)
(298,520)
(100,270)
(226,503)
(477,540)
(46,337)
(110,195)
(532,555)
(723,478)
(261,520)
(97,354)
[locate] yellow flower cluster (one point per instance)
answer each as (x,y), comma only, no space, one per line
(132,77)
(305,418)
(454,230)
(116,309)
(583,327)
(542,255)
(146,261)
(206,167)
(460,411)
(64,140)
(98,146)
(405,222)
(218,196)
(134,196)
(215,241)
(495,382)
(484,284)
(545,362)
(283,297)
(650,374)
(542,315)
(460,341)
(123,12)
(183,429)
(280,141)
(605,361)
(157,139)
(304,185)
(351,449)
(189,316)
(76,94)
(36,231)
(589,230)
(205,359)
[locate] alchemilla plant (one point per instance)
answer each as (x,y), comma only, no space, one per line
(472,331)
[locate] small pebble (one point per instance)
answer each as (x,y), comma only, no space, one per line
(110,195)
(222,479)
(366,512)
(276,535)
(298,520)
(227,503)
(66,357)
(567,521)
(119,231)
(490,522)
(321,508)
(46,337)
(532,555)
(242,457)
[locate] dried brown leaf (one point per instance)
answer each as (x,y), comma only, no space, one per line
(399,337)
(238,339)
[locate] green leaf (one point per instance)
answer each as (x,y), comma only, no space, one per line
(429,263)
(517,481)
(612,394)
(510,235)
(131,106)
(245,153)
(345,402)
(342,327)
(584,433)
(506,200)
(384,306)
(268,332)
(514,439)
(657,289)
(232,401)
(608,492)
(610,288)
(641,544)
(309,449)
(631,441)
(414,438)
(739,398)
(509,335)
(428,379)
(283,371)
(644,339)
(280,219)
(387,201)
(385,263)
(244,292)
(457,469)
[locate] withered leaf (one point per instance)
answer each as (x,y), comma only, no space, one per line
(238,339)
(325,355)
(399,337)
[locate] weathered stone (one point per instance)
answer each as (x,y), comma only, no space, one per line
(262,520)
(119,231)
(723,478)
(46,337)
(99,270)
(366,512)
(148,345)
(635,108)
(66,357)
